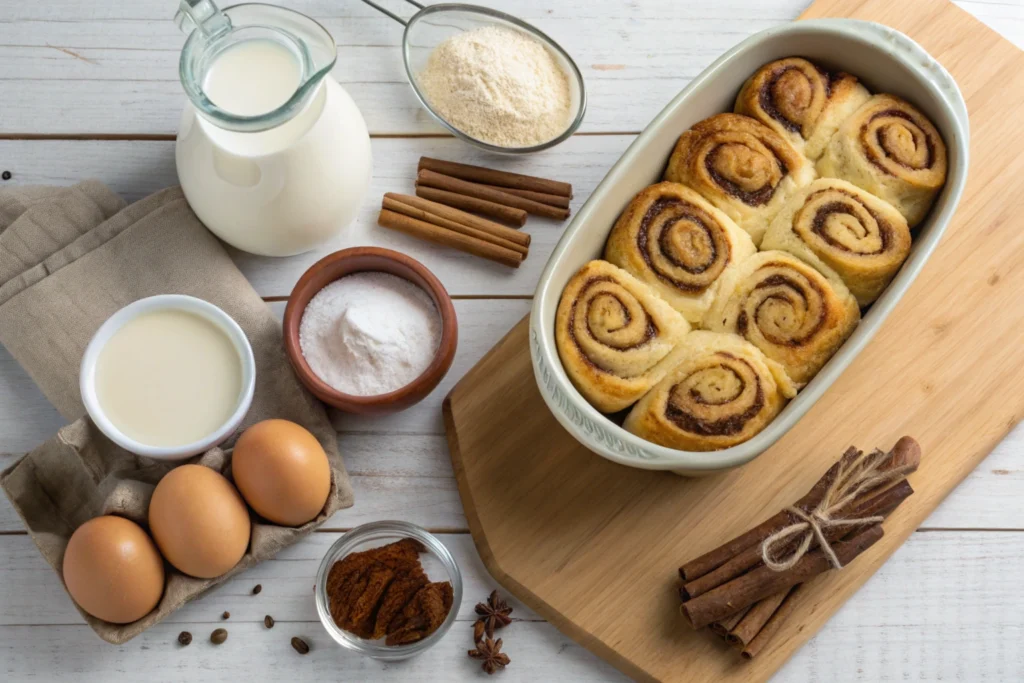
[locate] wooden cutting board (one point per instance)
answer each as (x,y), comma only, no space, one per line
(594,546)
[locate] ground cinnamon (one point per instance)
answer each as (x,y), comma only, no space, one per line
(384,593)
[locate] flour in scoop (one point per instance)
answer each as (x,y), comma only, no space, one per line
(498,85)
(369,333)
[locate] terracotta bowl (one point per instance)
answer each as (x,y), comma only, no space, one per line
(359,260)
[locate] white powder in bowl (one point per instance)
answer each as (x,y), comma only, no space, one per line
(369,333)
(498,85)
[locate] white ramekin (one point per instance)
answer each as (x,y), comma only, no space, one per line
(179,302)
(886,61)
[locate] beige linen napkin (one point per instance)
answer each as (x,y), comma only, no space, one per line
(71,257)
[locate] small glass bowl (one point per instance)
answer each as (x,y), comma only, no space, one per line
(434,23)
(438,564)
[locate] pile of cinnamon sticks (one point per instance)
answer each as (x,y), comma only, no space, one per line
(735,595)
(449,194)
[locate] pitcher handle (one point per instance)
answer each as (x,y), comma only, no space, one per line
(203,15)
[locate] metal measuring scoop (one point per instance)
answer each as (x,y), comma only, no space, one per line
(432,24)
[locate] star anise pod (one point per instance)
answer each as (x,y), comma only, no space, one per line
(494,613)
(490,652)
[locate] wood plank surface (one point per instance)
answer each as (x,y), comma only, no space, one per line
(594,546)
(98,70)
(138,168)
(114,69)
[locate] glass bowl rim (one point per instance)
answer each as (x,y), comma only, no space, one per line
(345,545)
(535,32)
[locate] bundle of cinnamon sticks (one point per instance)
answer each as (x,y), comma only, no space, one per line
(745,589)
(450,194)
(506,196)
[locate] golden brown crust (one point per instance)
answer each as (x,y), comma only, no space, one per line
(801,101)
(794,314)
(672,239)
(722,392)
(741,166)
(613,332)
(889,148)
(835,224)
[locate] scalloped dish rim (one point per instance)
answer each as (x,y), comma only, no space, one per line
(946,109)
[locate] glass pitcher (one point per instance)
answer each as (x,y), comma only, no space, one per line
(273,155)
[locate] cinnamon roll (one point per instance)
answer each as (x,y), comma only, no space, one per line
(892,150)
(675,241)
(834,224)
(721,393)
(613,334)
(796,315)
(741,166)
(801,101)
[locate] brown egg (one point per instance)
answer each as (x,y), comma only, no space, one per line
(282,471)
(199,521)
(113,570)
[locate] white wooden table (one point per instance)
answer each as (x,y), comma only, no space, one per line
(89,89)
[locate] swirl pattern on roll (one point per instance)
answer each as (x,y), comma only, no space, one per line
(834,224)
(801,101)
(613,335)
(794,314)
(722,392)
(741,166)
(672,239)
(892,150)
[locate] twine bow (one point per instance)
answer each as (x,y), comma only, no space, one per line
(855,476)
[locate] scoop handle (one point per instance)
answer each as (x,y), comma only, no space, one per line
(388,12)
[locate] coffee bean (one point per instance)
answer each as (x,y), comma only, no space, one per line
(226,615)
(300,646)
(268,621)
(257,588)
(218,636)
(184,638)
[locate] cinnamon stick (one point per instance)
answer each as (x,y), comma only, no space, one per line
(489,176)
(509,214)
(755,619)
(771,626)
(394,203)
(722,628)
(762,582)
(711,560)
(877,503)
(449,238)
(464,217)
(906,452)
(542,197)
(451,184)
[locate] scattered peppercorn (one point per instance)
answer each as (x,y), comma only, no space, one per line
(257,588)
(226,615)
(184,638)
(268,621)
(300,646)
(218,636)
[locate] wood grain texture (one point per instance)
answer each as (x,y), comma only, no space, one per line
(139,168)
(594,546)
(891,632)
(94,69)
(114,70)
